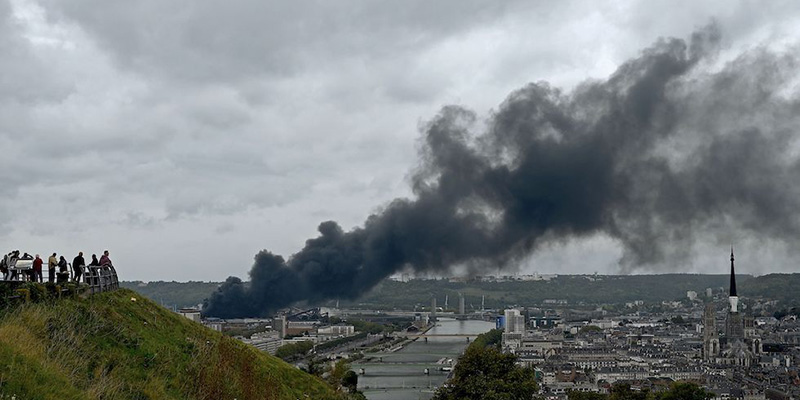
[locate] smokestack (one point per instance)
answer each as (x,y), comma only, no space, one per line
(461,305)
(659,155)
(433,308)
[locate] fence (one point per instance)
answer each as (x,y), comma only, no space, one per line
(101,279)
(98,279)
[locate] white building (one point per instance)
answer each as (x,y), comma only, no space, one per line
(514,329)
(515,323)
(613,374)
(604,323)
(336,330)
(190,313)
(268,342)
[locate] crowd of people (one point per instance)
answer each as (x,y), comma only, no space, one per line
(11,271)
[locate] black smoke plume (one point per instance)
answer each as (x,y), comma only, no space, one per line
(675,142)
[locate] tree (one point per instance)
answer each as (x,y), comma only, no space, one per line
(293,350)
(591,328)
(684,391)
(350,381)
(623,391)
(484,373)
(337,373)
(492,338)
(575,395)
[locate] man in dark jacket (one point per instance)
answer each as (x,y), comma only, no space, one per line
(77,267)
(4,266)
(63,270)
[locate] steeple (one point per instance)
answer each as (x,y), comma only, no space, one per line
(733,277)
(732,297)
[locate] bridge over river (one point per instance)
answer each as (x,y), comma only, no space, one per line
(411,335)
(401,374)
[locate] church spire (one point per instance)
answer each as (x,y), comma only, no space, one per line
(733,277)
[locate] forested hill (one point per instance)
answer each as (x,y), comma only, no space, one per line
(118,345)
(174,294)
(573,288)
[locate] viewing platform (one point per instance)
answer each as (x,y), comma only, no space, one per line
(92,280)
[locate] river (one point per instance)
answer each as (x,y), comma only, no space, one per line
(400,375)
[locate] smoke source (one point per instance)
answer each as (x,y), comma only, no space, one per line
(666,148)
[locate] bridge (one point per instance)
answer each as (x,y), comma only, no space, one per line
(444,335)
(415,335)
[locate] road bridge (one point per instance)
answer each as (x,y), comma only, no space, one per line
(458,335)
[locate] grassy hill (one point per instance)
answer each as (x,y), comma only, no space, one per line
(109,346)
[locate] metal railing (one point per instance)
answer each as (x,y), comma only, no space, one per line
(101,279)
(98,278)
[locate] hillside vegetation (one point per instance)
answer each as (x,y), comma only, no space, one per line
(573,288)
(110,346)
(775,286)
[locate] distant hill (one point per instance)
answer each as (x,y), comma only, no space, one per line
(782,287)
(174,294)
(109,346)
(573,288)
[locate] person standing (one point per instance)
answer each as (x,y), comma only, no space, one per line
(104,260)
(52,262)
(12,264)
(77,267)
(63,270)
(4,266)
(36,272)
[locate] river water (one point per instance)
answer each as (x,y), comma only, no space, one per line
(400,375)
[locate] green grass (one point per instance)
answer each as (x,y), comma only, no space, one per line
(107,346)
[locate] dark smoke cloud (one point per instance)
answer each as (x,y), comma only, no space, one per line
(664,150)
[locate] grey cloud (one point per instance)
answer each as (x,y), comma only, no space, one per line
(555,166)
(224,229)
(24,79)
(138,219)
(198,114)
(214,41)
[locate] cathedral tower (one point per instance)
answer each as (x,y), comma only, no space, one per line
(711,347)
(734,327)
(732,297)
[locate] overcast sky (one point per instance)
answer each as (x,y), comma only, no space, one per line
(185,136)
